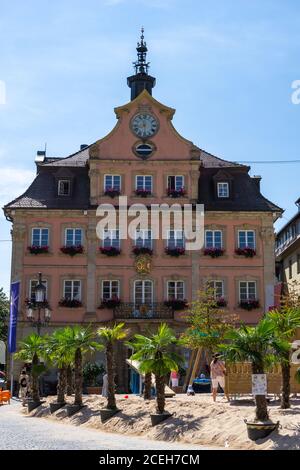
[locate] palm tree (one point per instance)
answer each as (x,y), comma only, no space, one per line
(108,337)
(147,385)
(60,355)
(252,344)
(79,341)
(31,349)
(285,322)
(156,356)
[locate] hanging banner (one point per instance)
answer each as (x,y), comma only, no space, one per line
(14,306)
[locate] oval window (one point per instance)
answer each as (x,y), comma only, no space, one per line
(143,150)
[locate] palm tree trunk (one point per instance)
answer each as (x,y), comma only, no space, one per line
(261,408)
(147,386)
(111,399)
(285,387)
(69,381)
(35,394)
(160,393)
(78,377)
(61,385)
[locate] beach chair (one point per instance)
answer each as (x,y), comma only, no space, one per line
(5,397)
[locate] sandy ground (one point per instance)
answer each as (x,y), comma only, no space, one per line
(195,420)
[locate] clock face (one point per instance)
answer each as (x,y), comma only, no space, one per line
(144,125)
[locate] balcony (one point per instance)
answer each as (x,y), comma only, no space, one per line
(132,311)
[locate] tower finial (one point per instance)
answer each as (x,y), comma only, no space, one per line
(141,66)
(141,80)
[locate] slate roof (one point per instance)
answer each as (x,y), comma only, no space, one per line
(42,193)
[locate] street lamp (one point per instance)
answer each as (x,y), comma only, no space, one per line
(40,304)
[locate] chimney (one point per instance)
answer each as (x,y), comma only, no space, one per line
(83,146)
(298,204)
(256,179)
(40,156)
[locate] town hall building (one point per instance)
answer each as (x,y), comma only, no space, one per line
(140,281)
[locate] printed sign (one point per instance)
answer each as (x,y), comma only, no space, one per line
(259,384)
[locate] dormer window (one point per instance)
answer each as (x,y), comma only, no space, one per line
(223,189)
(64,187)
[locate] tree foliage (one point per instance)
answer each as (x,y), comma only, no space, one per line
(4,315)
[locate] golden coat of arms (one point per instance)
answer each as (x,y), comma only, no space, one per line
(143,264)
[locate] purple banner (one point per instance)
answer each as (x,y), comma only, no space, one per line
(14,307)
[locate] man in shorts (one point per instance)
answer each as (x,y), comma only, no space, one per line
(217,374)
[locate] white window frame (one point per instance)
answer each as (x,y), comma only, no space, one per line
(213,237)
(72,288)
(220,185)
(105,231)
(144,178)
(72,228)
(110,287)
(113,177)
(143,281)
(176,238)
(58,187)
(176,289)
(44,282)
(212,284)
(176,176)
(246,232)
(247,282)
(40,235)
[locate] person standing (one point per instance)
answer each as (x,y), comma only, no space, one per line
(174,376)
(217,374)
(24,386)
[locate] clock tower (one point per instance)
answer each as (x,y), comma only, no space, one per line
(141,80)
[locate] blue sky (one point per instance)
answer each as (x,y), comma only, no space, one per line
(226,66)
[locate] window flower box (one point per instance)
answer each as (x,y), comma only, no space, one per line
(247,252)
(176,251)
(213,252)
(176,192)
(112,192)
(110,303)
(110,250)
(249,304)
(36,249)
(142,250)
(221,302)
(176,304)
(72,250)
(29,303)
(70,303)
(143,192)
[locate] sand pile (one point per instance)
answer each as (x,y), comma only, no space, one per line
(195,420)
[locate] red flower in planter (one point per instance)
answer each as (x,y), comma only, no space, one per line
(110,250)
(70,303)
(176,304)
(249,304)
(142,250)
(36,249)
(112,192)
(110,303)
(176,251)
(213,252)
(176,192)
(247,252)
(142,192)
(72,250)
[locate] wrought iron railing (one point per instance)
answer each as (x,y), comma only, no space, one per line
(134,311)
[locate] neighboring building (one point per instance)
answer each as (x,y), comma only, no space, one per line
(145,158)
(288,254)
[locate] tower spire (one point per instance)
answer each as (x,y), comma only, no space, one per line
(141,80)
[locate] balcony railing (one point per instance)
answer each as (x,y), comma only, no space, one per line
(133,311)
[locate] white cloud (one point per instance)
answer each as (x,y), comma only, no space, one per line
(14,181)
